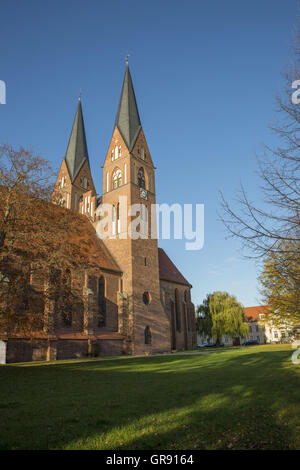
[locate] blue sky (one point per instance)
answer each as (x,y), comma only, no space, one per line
(205,74)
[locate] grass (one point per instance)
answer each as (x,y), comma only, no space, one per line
(244,398)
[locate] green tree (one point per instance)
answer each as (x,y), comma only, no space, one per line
(204,321)
(221,314)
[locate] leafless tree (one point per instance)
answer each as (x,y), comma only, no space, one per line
(265,230)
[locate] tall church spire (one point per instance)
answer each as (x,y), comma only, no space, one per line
(128,119)
(77,152)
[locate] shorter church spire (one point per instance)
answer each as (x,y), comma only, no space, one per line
(77,152)
(128,119)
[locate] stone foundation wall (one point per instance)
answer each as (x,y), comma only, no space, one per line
(21,350)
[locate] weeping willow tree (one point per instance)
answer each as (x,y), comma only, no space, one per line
(204,321)
(221,314)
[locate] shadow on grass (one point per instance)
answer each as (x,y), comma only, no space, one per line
(237,399)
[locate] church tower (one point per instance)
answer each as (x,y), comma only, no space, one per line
(74,188)
(128,171)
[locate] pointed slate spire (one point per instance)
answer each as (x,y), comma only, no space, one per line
(128,119)
(77,152)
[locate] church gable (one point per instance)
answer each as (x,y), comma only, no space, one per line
(117,149)
(141,150)
(63,178)
(84,180)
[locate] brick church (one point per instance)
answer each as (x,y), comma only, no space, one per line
(134,299)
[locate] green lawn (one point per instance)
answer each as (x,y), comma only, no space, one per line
(245,398)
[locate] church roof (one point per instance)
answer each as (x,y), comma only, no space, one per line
(91,248)
(128,119)
(79,241)
(168,270)
(77,152)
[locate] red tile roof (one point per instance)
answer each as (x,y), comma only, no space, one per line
(252,313)
(168,270)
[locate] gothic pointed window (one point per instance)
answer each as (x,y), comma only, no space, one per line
(177,311)
(141,178)
(118,218)
(113,220)
(117,178)
(101,302)
(66,299)
(148,335)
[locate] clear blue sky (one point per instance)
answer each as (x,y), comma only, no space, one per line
(205,74)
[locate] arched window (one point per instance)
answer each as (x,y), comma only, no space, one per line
(146,298)
(118,218)
(141,178)
(147,335)
(117,178)
(113,220)
(101,302)
(177,311)
(66,300)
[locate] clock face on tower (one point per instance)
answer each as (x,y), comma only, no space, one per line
(143,193)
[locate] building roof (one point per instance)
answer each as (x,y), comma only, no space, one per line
(90,247)
(77,152)
(168,270)
(128,119)
(68,235)
(252,313)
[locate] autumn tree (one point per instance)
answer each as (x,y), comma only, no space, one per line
(221,314)
(34,237)
(280,280)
